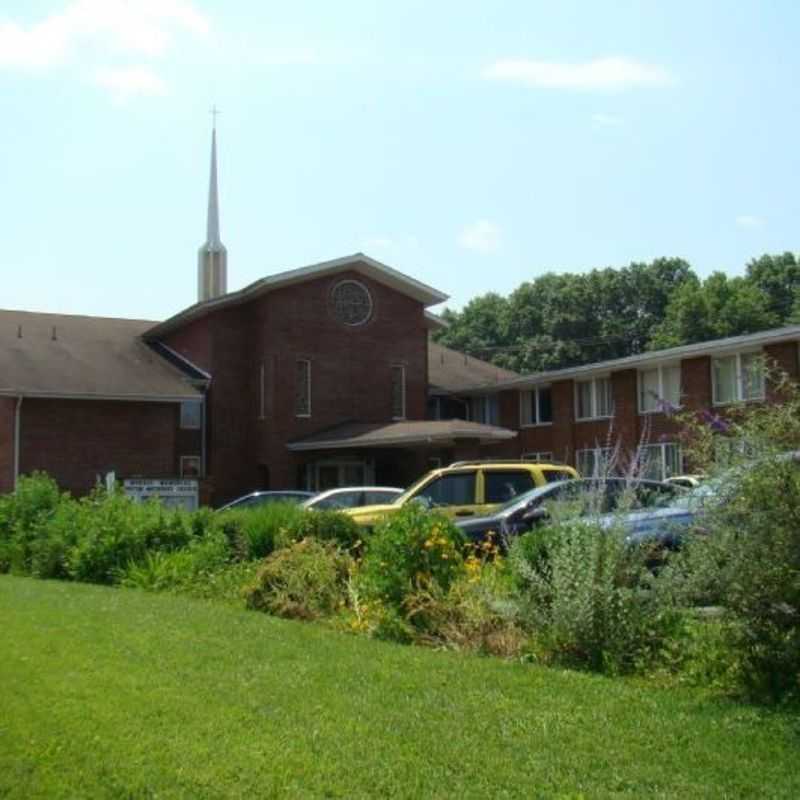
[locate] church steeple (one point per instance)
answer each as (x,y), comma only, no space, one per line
(212,258)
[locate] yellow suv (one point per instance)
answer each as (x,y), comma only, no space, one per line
(469,488)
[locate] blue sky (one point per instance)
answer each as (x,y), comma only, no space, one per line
(473,145)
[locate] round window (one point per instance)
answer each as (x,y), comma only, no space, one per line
(352,303)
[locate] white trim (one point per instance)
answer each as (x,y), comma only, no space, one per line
(538,456)
(131,398)
(17,427)
(199,460)
(402,369)
(307,361)
(662,447)
(185,360)
(358,262)
(500,434)
(593,402)
(599,368)
(738,377)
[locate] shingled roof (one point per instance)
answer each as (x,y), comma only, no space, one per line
(451,372)
(65,356)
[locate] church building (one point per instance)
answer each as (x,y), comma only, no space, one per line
(311,378)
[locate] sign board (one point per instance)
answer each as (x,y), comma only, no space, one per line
(172,492)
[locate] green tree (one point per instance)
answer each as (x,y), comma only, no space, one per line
(778,277)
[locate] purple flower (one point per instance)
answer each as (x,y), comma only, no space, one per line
(715,422)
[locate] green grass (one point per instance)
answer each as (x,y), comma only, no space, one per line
(120,693)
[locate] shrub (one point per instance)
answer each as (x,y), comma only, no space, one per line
(257,532)
(408,551)
(306,580)
(23,517)
(588,599)
(326,526)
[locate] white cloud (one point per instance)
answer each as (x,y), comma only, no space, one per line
(130,81)
(599,74)
(143,27)
(482,236)
(749,222)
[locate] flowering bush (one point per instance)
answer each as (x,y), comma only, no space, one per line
(410,550)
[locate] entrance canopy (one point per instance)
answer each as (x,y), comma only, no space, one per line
(438,433)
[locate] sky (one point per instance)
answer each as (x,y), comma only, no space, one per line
(471,145)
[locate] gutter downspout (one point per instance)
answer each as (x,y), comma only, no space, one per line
(16,439)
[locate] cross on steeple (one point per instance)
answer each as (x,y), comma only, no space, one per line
(215,112)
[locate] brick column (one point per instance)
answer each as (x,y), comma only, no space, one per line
(7,412)
(564,421)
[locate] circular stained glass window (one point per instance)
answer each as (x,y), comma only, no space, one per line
(352,303)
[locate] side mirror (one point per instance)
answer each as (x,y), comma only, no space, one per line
(533,516)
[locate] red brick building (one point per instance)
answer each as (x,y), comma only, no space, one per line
(579,415)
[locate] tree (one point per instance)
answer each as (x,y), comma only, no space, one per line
(778,277)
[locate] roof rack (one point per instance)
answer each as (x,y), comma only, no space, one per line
(479,461)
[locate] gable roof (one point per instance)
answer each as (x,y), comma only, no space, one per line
(65,356)
(358,262)
(450,372)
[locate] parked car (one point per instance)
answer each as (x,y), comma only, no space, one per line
(670,523)
(583,496)
(255,499)
(352,497)
(469,488)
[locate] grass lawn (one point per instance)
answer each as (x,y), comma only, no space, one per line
(115,693)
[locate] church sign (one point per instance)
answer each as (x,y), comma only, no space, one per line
(172,492)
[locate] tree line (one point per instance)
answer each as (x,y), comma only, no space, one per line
(566,319)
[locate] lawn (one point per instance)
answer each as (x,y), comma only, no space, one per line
(120,693)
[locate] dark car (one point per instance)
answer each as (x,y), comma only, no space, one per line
(255,499)
(598,496)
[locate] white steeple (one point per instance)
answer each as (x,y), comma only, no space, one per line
(212,258)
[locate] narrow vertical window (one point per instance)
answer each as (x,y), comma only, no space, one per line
(191,414)
(398,392)
(261,392)
(302,389)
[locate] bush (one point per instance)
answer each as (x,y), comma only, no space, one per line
(257,532)
(306,580)
(588,599)
(325,526)
(408,551)
(23,517)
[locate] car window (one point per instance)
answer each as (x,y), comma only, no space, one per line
(340,500)
(554,475)
(457,489)
(500,486)
(376,498)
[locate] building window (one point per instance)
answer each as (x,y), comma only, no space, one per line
(191,414)
(594,462)
(737,378)
(536,406)
(190,466)
(484,409)
(659,389)
(541,455)
(302,388)
(659,461)
(594,399)
(398,392)
(351,302)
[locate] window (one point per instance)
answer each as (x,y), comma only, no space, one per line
(398,392)
(501,486)
(536,406)
(541,455)
(660,461)
(261,392)
(351,303)
(594,398)
(659,389)
(457,489)
(737,377)
(302,388)
(190,466)
(191,414)
(483,409)
(593,462)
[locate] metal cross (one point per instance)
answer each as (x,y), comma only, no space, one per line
(214,113)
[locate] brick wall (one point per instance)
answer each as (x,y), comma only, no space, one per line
(7,412)
(76,440)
